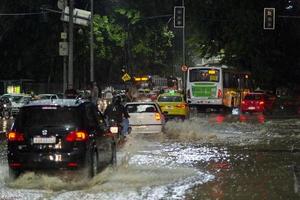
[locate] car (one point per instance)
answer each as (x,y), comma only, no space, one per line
(257,102)
(63,134)
(173,105)
(47,96)
(18,103)
(145,117)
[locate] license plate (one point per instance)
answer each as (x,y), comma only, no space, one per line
(44,140)
(251,108)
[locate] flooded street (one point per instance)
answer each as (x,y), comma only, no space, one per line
(210,156)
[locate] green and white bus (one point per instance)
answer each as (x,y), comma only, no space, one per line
(215,86)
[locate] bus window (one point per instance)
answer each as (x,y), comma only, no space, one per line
(199,75)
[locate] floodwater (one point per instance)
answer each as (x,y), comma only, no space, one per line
(210,156)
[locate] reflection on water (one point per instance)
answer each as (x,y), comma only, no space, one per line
(212,157)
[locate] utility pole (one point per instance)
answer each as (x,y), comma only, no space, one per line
(71,26)
(65,78)
(92,42)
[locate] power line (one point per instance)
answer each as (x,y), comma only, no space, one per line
(22,14)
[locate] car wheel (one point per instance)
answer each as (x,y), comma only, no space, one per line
(13,173)
(114,154)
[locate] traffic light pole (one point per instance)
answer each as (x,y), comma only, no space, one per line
(183,50)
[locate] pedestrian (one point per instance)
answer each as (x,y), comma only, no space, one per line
(94,93)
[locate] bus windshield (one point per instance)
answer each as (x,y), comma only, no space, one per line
(204,75)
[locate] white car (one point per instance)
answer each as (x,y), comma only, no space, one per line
(145,117)
(47,96)
(17,103)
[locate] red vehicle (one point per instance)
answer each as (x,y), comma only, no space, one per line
(257,102)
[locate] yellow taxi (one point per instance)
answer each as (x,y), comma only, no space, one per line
(173,105)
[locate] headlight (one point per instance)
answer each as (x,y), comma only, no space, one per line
(114,129)
(4,105)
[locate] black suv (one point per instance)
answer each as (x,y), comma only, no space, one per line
(60,134)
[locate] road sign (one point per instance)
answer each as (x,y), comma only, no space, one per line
(184,68)
(126,77)
(63,35)
(63,48)
(80,17)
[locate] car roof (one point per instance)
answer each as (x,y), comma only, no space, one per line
(170,94)
(57,102)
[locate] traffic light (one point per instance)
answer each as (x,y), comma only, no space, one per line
(179,16)
(269,18)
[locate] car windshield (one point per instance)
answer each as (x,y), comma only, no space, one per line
(24,100)
(169,99)
(16,98)
(48,116)
(141,108)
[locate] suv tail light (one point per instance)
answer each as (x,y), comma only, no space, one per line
(14,136)
(77,136)
(157,116)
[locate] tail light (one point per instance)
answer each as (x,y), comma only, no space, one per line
(189,93)
(157,116)
(243,102)
(261,103)
(72,164)
(15,165)
(77,136)
(220,93)
(182,105)
(14,136)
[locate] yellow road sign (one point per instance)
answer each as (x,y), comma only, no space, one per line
(126,77)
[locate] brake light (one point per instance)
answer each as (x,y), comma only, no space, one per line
(220,93)
(72,164)
(182,105)
(77,136)
(13,136)
(261,103)
(243,102)
(189,93)
(157,116)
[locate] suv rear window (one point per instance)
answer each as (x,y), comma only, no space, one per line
(253,97)
(48,116)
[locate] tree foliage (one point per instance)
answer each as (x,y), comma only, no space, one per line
(139,36)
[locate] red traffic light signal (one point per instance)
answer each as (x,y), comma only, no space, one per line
(179,16)
(269,18)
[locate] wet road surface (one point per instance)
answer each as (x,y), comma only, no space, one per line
(210,156)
